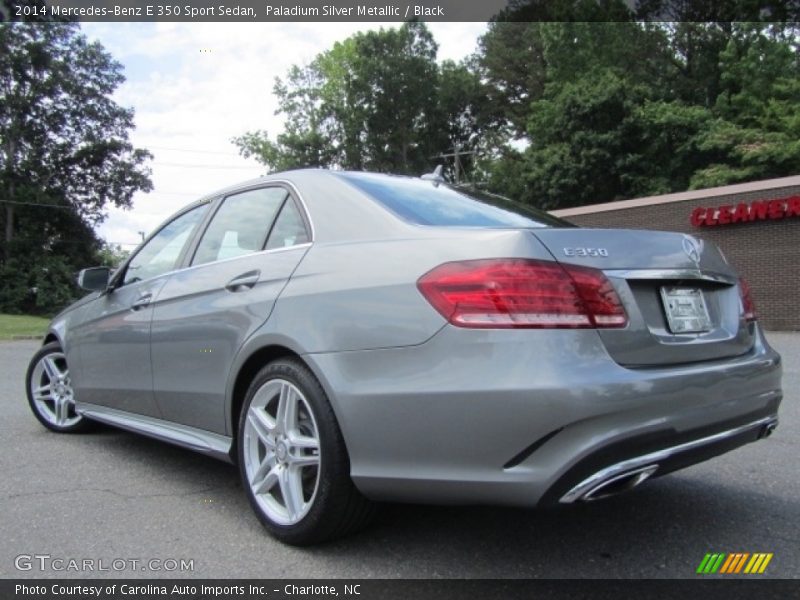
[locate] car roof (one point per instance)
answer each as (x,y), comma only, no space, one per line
(294,175)
(341,218)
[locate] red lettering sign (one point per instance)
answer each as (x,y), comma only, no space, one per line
(742,213)
(697,216)
(793,206)
(758,210)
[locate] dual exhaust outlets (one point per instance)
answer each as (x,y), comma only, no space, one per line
(628,474)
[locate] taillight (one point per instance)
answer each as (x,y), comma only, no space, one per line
(748,307)
(522,293)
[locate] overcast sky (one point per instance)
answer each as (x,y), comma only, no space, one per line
(195,86)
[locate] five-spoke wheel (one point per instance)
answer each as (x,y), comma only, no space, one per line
(281,451)
(292,458)
(50,390)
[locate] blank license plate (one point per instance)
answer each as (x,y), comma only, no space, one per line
(686,310)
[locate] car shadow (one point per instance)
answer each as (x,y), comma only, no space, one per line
(662,529)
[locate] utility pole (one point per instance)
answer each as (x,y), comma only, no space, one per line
(456,155)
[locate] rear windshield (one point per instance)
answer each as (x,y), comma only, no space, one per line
(424,202)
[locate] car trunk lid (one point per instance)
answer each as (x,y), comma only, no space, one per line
(681,295)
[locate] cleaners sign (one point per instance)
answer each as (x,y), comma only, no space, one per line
(758,210)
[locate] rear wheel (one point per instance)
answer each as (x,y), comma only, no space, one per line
(49,388)
(293,461)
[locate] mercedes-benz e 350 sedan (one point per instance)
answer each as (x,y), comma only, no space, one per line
(348,338)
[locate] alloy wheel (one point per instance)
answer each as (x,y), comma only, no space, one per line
(282,451)
(51,391)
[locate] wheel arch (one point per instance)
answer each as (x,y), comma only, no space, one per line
(245,374)
(248,370)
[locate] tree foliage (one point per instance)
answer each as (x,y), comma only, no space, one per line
(621,109)
(567,102)
(51,244)
(377,101)
(65,155)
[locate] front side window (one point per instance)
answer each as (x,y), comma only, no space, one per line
(160,254)
(240,225)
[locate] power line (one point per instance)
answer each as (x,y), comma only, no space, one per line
(37,204)
(198,166)
(456,155)
(83,243)
(68,207)
(193,151)
(177,194)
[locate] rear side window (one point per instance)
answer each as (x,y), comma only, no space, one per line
(289,228)
(425,202)
(240,225)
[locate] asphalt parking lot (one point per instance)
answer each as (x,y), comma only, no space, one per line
(111,495)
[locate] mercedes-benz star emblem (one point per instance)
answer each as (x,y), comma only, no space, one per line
(692,249)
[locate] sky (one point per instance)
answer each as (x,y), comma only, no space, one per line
(194,86)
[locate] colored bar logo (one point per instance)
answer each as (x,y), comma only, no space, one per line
(734,563)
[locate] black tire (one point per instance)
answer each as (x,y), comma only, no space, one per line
(336,508)
(72,422)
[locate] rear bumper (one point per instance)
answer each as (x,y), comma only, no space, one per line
(523,417)
(632,471)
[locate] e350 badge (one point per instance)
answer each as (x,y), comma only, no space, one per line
(586,252)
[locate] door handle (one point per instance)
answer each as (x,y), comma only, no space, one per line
(243,282)
(142,301)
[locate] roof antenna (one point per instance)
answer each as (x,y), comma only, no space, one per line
(436,177)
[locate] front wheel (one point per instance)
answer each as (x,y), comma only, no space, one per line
(49,388)
(293,461)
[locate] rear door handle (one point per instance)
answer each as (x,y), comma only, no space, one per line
(243,282)
(142,301)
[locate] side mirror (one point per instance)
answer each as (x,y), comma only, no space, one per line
(95,279)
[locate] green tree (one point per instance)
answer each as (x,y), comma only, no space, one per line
(757,131)
(51,244)
(617,110)
(511,61)
(583,138)
(377,101)
(61,134)
(111,255)
(65,155)
(527,43)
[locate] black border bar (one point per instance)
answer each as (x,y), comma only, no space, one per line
(398,10)
(400,589)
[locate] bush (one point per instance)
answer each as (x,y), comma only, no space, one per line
(43,286)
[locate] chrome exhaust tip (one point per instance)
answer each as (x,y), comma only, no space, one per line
(768,430)
(619,484)
(608,482)
(630,473)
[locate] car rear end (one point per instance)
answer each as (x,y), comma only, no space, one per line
(709,381)
(570,364)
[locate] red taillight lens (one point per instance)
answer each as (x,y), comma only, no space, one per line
(748,307)
(515,292)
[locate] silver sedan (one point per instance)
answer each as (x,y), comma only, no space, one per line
(346,338)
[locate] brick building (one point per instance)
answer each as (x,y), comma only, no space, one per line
(756,224)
